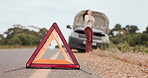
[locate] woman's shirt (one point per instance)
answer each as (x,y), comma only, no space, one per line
(89,22)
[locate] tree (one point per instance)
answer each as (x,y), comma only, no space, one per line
(42,32)
(24,39)
(19,35)
(146,31)
(131,29)
(12,31)
(138,39)
(117,27)
(1,37)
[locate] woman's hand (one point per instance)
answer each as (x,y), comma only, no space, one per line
(89,20)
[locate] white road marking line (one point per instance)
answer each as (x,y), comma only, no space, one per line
(42,73)
(55,55)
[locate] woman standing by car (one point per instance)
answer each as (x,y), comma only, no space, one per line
(88,23)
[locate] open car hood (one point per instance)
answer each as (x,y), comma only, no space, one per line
(101,21)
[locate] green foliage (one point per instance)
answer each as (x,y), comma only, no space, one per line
(146,31)
(1,36)
(137,39)
(24,39)
(115,40)
(131,29)
(18,35)
(117,27)
(144,39)
(124,47)
(130,40)
(42,32)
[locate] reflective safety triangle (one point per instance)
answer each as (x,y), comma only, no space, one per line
(35,60)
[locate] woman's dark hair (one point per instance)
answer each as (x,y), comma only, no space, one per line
(85,14)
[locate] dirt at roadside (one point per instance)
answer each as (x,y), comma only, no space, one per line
(115,67)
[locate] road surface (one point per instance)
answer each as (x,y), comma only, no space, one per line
(12,65)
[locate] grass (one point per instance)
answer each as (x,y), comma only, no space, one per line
(124,47)
(15,46)
(135,55)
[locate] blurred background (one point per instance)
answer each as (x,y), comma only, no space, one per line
(25,22)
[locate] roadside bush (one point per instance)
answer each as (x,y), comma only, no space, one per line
(131,43)
(144,39)
(115,40)
(19,35)
(24,39)
(124,47)
(13,41)
(138,39)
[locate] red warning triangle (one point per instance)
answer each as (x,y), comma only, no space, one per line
(36,61)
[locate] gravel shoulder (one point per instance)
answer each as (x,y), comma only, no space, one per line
(116,65)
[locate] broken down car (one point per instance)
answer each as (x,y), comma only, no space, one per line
(77,39)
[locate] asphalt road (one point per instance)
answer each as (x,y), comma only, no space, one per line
(12,65)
